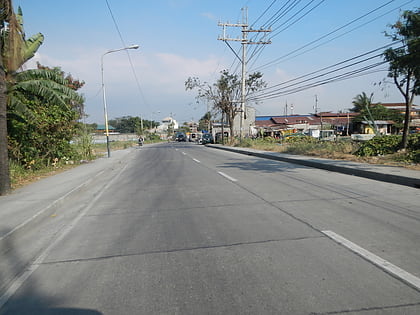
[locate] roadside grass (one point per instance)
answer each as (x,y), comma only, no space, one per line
(343,149)
(21,175)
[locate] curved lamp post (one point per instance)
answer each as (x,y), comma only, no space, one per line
(104,94)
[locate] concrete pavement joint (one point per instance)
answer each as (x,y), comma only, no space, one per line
(178,250)
(396,272)
(368,309)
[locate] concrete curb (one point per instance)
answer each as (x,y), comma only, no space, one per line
(379,173)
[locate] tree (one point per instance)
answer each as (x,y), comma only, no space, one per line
(204,122)
(361,101)
(129,124)
(225,94)
(42,131)
(404,62)
(371,112)
(15,50)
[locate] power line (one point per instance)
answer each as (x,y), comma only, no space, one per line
(262,14)
(277,60)
(339,64)
(258,50)
(128,55)
(288,87)
(336,78)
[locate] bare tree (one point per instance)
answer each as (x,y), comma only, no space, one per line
(225,94)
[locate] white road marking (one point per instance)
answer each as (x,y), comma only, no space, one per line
(195,160)
(184,153)
(378,261)
(20,280)
(228,177)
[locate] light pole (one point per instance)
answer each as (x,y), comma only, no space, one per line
(104,94)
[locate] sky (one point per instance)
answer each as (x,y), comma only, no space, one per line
(178,39)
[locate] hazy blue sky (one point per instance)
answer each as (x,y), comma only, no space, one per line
(178,39)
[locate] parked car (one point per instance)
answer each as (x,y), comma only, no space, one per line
(207,138)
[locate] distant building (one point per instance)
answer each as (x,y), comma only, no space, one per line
(400,107)
(414,114)
(276,126)
(100,129)
(167,123)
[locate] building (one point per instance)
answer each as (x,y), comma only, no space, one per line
(167,124)
(276,126)
(248,123)
(100,129)
(400,107)
(340,122)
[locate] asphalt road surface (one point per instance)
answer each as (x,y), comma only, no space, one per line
(179,228)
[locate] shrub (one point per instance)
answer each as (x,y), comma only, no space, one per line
(390,145)
(379,146)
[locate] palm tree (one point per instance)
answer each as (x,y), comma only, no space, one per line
(361,102)
(15,50)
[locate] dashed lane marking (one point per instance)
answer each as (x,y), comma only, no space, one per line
(228,177)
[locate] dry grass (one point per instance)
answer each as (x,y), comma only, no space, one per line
(334,151)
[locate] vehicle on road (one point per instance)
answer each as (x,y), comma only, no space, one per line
(207,138)
(180,137)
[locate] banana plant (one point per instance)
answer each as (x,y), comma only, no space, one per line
(16,48)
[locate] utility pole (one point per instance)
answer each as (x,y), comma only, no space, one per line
(316,104)
(245,42)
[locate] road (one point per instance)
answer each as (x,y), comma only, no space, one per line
(180,228)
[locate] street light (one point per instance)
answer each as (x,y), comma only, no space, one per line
(104,94)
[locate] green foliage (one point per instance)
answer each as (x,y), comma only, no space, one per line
(361,101)
(387,145)
(129,124)
(83,144)
(379,112)
(41,134)
(152,137)
(225,92)
(203,123)
(404,62)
